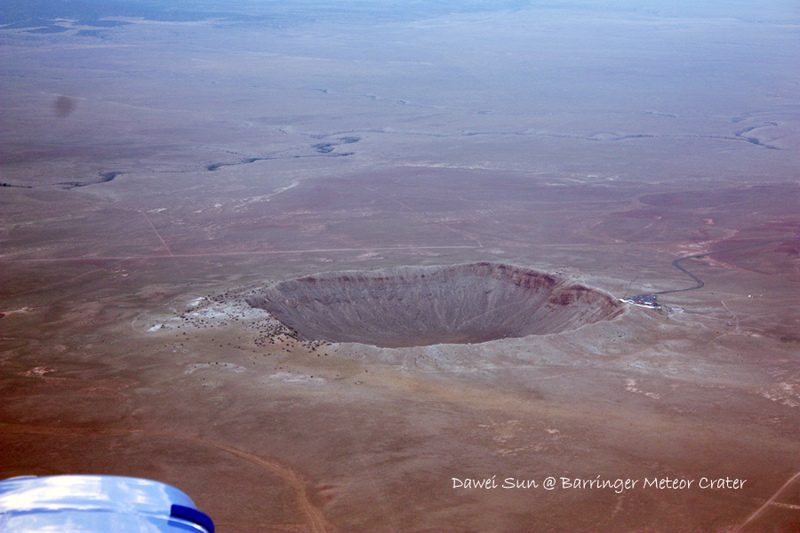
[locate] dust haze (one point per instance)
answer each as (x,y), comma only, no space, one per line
(407,266)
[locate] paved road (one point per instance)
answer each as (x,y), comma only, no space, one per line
(649,299)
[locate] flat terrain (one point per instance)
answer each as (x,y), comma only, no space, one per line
(157,172)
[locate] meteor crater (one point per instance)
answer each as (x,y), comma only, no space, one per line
(419,306)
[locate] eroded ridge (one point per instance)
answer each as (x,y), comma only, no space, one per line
(419,306)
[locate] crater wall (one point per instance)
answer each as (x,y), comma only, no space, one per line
(419,306)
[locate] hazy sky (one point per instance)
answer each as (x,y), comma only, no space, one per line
(572,71)
(18,12)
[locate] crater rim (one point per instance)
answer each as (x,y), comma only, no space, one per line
(433,304)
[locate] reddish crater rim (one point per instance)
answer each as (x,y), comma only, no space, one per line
(419,306)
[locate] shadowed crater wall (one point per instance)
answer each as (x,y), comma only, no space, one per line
(419,306)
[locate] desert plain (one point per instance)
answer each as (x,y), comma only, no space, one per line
(159,173)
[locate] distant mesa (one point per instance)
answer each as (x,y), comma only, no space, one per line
(419,306)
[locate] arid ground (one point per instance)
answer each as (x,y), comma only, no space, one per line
(157,173)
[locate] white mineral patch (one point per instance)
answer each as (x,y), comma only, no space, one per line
(20,310)
(209,313)
(38,371)
(630,386)
(787,394)
(217,365)
(288,377)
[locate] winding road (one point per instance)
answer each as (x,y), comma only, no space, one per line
(650,298)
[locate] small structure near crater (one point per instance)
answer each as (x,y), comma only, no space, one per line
(420,306)
(649,301)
